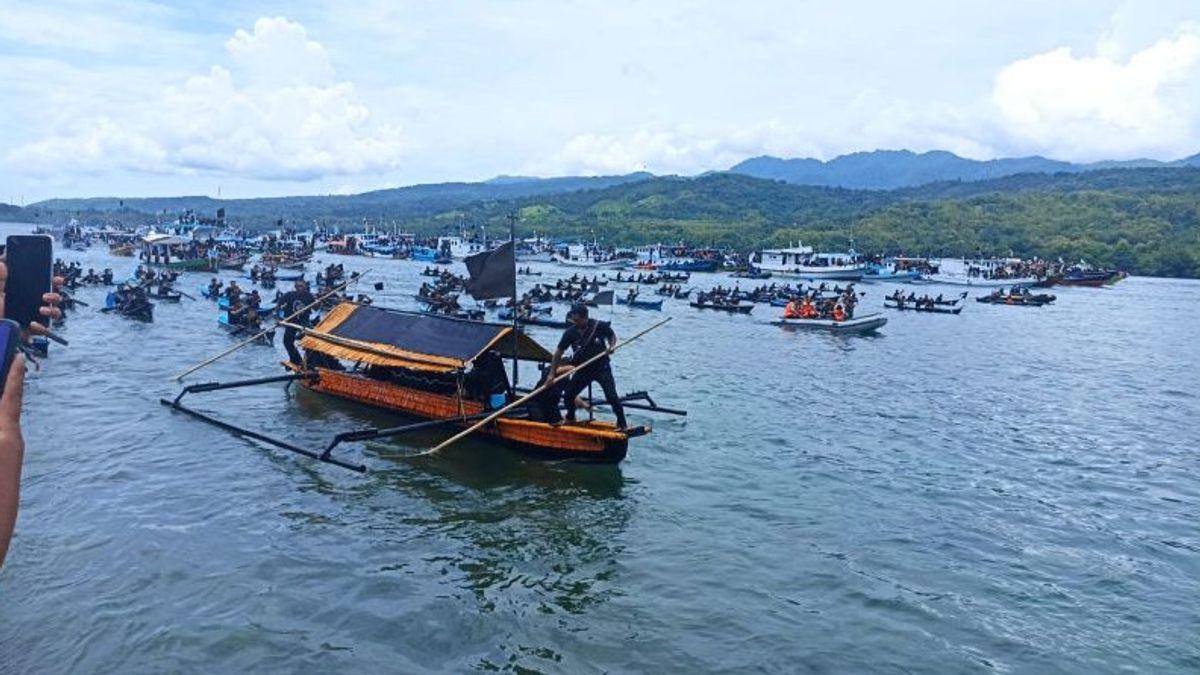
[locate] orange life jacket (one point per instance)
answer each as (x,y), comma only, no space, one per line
(839,314)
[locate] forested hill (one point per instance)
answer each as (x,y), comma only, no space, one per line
(890,169)
(393,203)
(1146,221)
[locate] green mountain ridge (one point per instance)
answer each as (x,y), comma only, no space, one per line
(1143,220)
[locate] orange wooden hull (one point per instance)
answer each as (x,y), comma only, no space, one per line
(593,441)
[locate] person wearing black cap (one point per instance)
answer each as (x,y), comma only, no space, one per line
(588,338)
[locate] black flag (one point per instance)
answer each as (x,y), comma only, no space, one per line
(493,273)
(603,298)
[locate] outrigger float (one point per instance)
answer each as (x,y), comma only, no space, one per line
(442,371)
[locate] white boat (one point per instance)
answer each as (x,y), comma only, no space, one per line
(802,261)
(981,272)
(858,324)
(460,247)
(578,255)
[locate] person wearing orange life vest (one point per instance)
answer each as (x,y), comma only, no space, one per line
(792,310)
(807,311)
(839,313)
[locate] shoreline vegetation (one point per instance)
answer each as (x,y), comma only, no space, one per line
(1145,221)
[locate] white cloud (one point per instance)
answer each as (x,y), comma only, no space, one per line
(278,112)
(1092,107)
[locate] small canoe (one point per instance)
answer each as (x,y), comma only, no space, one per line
(859,324)
(950,308)
(264,309)
(267,338)
(640,304)
(169,297)
(733,309)
(1019,301)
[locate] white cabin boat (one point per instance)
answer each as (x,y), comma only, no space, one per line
(982,272)
(803,261)
(579,255)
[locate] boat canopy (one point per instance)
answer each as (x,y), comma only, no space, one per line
(413,340)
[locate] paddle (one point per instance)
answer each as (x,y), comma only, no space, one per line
(185,295)
(249,340)
(535,392)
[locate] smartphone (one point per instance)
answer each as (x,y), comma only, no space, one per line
(10,338)
(30,270)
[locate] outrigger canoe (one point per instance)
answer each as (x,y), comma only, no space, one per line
(640,304)
(944,308)
(426,367)
(858,324)
(735,309)
(267,338)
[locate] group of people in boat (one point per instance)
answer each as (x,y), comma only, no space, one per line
(264,274)
(813,306)
(132,300)
(920,302)
(661,277)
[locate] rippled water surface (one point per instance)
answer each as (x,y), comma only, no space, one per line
(1013,489)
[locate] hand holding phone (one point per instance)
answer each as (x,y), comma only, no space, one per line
(28,284)
(30,272)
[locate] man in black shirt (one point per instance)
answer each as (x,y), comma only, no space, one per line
(290,303)
(588,338)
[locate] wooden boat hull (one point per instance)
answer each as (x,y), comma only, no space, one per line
(861,324)
(592,441)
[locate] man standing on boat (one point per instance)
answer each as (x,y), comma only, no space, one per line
(588,338)
(290,303)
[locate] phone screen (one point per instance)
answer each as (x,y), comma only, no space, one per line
(28,257)
(10,337)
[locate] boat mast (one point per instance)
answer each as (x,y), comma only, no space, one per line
(512,239)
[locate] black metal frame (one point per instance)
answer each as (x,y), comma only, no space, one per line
(367,433)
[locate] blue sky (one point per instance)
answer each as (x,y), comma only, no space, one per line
(138,98)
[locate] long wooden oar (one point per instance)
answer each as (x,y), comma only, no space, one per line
(243,343)
(535,392)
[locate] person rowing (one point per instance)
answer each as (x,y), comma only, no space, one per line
(588,338)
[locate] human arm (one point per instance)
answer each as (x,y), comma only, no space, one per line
(12,452)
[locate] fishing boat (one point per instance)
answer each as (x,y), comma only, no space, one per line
(1089,277)
(982,272)
(858,324)
(938,305)
(640,304)
(890,272)
(734,308)
(948,308)
(1022,299)
(802,261)
(267,338)
(751,274)
(441,371)
(143,312)
(536,319)
(264,309)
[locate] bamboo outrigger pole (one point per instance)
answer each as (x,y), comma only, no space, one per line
(535,392)
(243,343)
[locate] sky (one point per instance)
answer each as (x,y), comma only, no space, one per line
(141,98)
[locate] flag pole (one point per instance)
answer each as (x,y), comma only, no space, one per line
(512,238)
